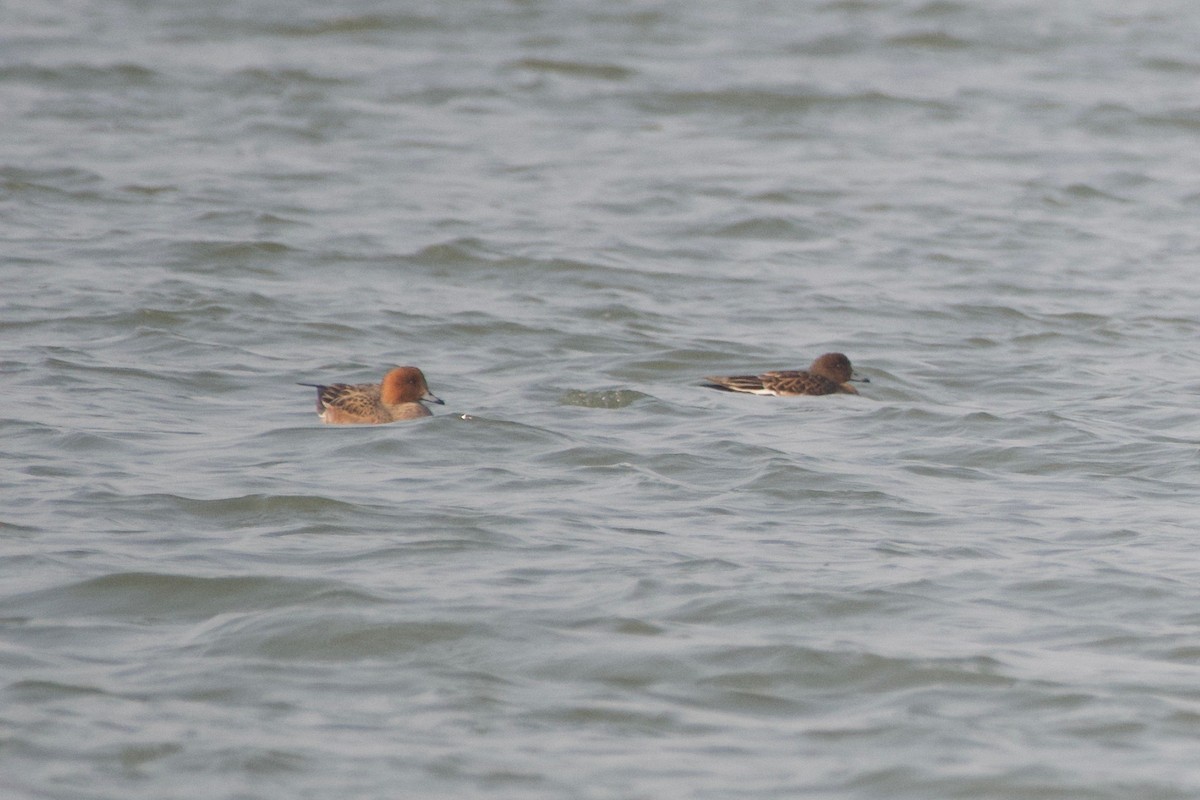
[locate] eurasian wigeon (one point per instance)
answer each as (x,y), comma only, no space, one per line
(829,374)
(398,396)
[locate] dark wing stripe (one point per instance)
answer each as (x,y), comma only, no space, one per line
(736,383)
(321,390)
(781,382)
(331,394)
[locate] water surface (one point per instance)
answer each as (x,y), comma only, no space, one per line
(587,576)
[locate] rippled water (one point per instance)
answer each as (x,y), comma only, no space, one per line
(587,576)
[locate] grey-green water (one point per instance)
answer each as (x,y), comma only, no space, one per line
(588,577)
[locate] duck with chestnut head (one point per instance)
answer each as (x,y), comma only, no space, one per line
(400,395)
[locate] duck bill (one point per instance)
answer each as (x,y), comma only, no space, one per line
(433,398)
(854,376)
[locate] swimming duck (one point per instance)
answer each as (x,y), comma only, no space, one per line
(398,396)
(829,374)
